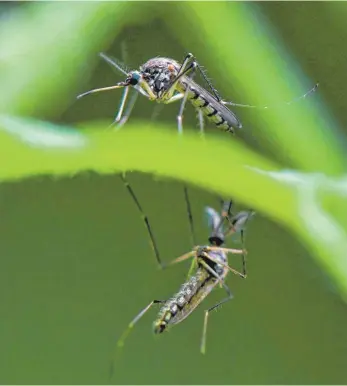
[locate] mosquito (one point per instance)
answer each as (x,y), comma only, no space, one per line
(210,268)
(166,81)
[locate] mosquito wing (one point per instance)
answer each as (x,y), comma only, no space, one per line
(213,218)
(227,114)
(240,219)
(239,222)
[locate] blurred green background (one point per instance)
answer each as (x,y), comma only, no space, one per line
(76,263)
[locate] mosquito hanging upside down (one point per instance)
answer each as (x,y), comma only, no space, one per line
(209,268)
(166,81)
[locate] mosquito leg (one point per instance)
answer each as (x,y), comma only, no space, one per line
(226,213)
(190,216)
(126,90)
(226,250)
(234,271)
(120,342)
(192,267)
(242,252)
(191,225)
(238,223)
(145,219)
(156,111)
(184,257)
(128,110)
(207,312)
(184,65)
(186,60)
(121,107)
(180,114)
(244,263)
(182,71)
(202,72)
(175,98)
(212,272)
(226,209)
(308,93)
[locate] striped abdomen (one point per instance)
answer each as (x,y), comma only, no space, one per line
(190,295)
(213,110)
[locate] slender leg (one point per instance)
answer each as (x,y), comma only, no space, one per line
(145,220)
(207,312)
(212,272)
(183,70)
(234,271)
(184,257)
(175,98)
(238,223)
(191,225)
(226,213)
(244,262)
(309,92)
(156,111)
(180,114)
(226,250)
(202,72)
(128,110)
(235,251)
(190,216)
(180,73)
(121,106)
(192,268)
(120,342)
(191,68)
(226,209)
(126,89)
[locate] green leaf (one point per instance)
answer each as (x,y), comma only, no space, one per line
(30,148)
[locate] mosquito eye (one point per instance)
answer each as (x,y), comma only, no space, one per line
(134,79)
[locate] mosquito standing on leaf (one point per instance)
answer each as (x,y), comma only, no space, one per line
(166,81)
(210,268)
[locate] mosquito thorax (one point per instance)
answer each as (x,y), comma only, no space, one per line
(159,73)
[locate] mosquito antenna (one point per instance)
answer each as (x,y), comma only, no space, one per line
(313,89)
(124,53)
(112,62)
(144,217)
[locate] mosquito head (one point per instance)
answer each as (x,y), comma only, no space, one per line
(216,240)
(159,326)
(216,225)
(134,78)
